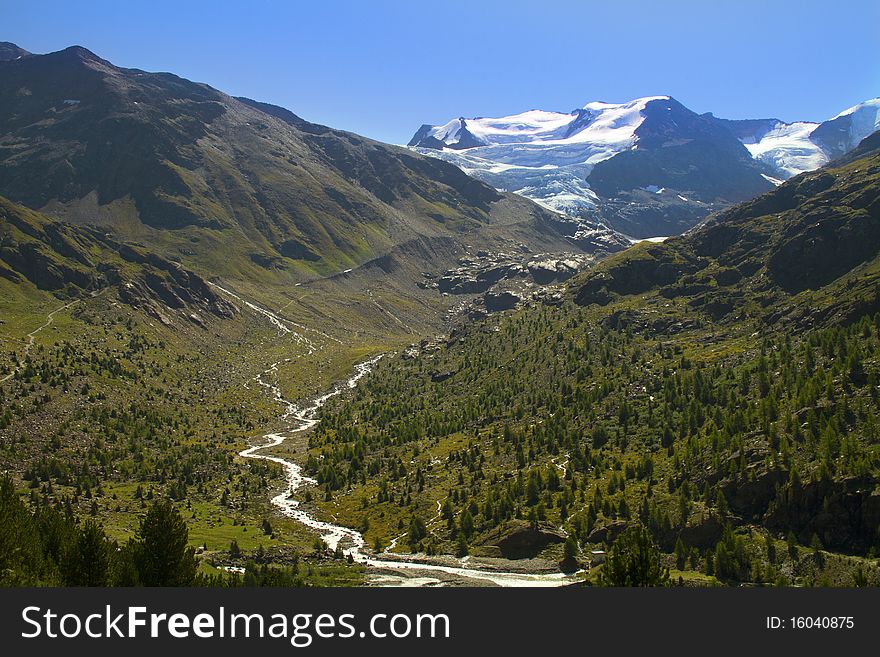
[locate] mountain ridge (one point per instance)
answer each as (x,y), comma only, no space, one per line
(224,184)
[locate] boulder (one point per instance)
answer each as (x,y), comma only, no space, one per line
(607,533)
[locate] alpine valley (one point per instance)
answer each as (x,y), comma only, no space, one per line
(241,348)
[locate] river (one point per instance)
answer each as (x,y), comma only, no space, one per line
(387,571)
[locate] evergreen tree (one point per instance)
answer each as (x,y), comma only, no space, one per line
(21,554)
(634,560)
(161,554)
(88,563)
(466,523)
(791,540)
(417,531)
(681,553)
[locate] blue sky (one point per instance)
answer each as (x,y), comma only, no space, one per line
(382,68)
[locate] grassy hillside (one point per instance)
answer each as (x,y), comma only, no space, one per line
(125,378)
(228,186)
(720,388)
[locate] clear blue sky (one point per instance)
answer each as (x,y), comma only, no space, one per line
(382,68)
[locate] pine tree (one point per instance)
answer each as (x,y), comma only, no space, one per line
(681,553)
(466,523)
(634,560)
(88,562)
(161,554)
(791,540)
(21,555)
(417,531)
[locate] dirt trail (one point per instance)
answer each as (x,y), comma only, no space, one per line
(32,335)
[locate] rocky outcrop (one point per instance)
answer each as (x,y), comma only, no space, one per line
(702,531)
(638,270)
(498,301)
(552,270)
(477,274)
(519,540)
(74,260)
(844,514)
(607,533)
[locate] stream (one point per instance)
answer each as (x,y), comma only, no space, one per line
(385,571)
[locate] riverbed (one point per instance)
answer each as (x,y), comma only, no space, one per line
(384,569)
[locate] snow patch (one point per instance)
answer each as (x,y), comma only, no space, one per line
(772,180)
(788,149)
(655,240)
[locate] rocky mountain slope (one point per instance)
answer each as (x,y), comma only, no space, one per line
(228,186)
(78,261)
(806,252)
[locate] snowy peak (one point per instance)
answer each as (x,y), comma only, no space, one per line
(597,122)
(568,162)
(869,108)
(649,166)
(454,134)
(843,133)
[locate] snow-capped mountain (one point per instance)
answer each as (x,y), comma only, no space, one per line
(793,148)
(647,167)
(843,133)
(546,156)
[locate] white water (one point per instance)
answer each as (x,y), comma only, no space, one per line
(408,573)
(283,325)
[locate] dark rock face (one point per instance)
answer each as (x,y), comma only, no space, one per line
(607,533)
(10,51)
(498,301)
(439,377)
(845,515)
(751,497)
(728,276)
(551,271)
(526,542)
(702,532)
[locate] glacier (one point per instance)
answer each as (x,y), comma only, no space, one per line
(549,156)
(545,156)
